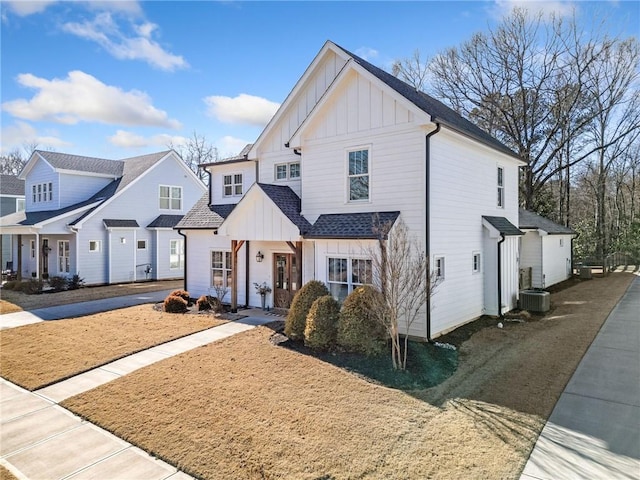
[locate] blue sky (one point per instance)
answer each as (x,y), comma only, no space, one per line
(115,79)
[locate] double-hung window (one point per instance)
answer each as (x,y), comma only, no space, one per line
(220,269)
(288,171)
(345,274)
(64,260)
(475,262)
(170,197)
(500,182)
(232,185)
(358,175)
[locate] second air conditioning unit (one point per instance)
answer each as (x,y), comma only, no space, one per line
(535,301)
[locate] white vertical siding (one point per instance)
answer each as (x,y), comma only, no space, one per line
(531,256)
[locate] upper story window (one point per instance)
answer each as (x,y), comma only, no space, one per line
(358,176)
(19,204)
(288,171)
(42,192)
(170,197)
(232,185)
(500,182)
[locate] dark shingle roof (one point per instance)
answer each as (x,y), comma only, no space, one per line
(288,202)
(531,220)
(203,216)
(11,185)
(436,109)
(351,225)
(165,221)
(241,157)
(120,223)
(65,161)
(33,218)
(503,225)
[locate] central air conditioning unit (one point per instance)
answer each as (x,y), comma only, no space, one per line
(535,301)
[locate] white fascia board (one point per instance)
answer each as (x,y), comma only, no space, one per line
(493,231)
(32,161)
(351,65)
(310,70)
(81,173)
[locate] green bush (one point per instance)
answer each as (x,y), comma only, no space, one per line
(32,286)
(75,282)
(296,320)
(175,304)
(58,283)
(12,285)
(322,323)
(182,294)
(358,329)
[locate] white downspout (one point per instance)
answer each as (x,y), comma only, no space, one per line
(135,255)
(109,257)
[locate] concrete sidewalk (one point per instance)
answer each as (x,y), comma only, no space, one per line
(594,429)
(17,319)
(41,440)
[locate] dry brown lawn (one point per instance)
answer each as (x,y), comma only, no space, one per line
(34,356)
(11,301)
(245,408)
(6,474)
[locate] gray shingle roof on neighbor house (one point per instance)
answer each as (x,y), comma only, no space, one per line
(438,111)
(203,216)
(351,225)
(11,185)
(289,203)
(165,221)
(503,225)
(65,161)
(531,220)
(120,223)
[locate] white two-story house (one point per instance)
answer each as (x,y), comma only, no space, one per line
(109,221)
(352,146)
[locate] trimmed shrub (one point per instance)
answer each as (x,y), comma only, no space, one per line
(322,323)
(12,285)
(296,320)
(175,304)
(182,294)
(58,283)
(203,303)
(75,282)
(358,329)
(32,286)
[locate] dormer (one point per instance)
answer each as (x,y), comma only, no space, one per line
(229,179)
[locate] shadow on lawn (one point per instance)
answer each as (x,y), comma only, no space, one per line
(427,364)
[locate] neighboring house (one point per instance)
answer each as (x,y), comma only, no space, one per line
(11,200)
(108,221)
(545,250)
(351,146)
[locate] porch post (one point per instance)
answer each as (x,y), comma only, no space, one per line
(299,263)
(19,258)
(235,246)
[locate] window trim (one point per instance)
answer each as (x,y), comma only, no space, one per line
(476,267)
(32,248)
(226,268)
(179,253)
(98,245)
(138,242)
(67,266)
(287,166)
(500,186)
(22,201)
(233,185)
(348,176)
(41,192)
(170,198)
(439,271)
(351,285)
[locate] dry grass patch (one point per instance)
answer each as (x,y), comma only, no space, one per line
(17,301)
(6,474)
(37,355)
(244,408)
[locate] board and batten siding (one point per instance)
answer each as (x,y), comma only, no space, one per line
(531,257)
(463,189)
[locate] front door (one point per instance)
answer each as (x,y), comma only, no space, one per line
(285,274)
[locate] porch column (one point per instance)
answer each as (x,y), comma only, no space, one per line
(19,258)
(235,246)
(38,252)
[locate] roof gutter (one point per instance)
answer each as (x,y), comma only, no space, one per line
(428,222)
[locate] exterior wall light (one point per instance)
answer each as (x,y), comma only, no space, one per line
(259,257)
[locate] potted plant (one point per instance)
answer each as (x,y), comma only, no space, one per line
(262,289)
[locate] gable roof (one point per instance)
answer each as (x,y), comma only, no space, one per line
(203,216)
(11,185)
(288,202)
(438,111)
(502,225)
(350,225)
(531,220)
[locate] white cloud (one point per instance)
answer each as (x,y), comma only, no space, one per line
(230,146)
(83,98)
(243,109)
(126,139)
(368,54)
(24,8)
(21,133)
(140,46)
(558,8)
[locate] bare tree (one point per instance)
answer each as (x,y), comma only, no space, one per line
(401,267)
(412,70)
(195,152)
